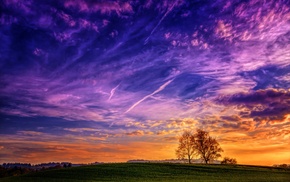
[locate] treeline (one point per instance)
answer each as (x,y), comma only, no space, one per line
(282,165)
(37,166)
(16,169)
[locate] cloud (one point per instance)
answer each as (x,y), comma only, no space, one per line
(170,139)
(231,118)
(181,123)
(213,70)
(104,7)
(270,105)
(250,99)
(170,8)
(224,30)
(30,133)
(136,133)
(113,92)
(164,132)
(24,6)
(82,129)
(148,96)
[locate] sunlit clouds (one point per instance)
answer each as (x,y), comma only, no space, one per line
(86,81)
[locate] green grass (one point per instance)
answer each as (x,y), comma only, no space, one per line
(158,172)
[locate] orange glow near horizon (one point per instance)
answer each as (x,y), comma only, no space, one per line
(129,147)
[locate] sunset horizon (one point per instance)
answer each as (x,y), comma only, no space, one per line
(110,81)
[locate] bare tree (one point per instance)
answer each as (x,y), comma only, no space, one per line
(186,146)
(206,146)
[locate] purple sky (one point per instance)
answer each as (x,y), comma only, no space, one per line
(137,73)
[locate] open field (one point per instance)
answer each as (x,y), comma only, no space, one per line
(158,172)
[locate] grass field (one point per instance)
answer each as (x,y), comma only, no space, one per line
(158,172)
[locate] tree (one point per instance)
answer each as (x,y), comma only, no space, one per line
(228,160)
(186,146)
(206,146)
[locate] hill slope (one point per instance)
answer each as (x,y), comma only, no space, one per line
(158,172)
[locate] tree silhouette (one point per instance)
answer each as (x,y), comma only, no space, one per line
(200,144)
(206,146)
(186,146)
(228,160)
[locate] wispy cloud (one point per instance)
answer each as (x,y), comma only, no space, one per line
(118,7)
(113,92)
(148,96)
(162,18)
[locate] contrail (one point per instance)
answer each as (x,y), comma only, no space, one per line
(113,91)
(162,18)
(147,96)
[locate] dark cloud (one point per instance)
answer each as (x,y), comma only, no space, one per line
(269,76)
(270,104)
(231,118)
(268,96)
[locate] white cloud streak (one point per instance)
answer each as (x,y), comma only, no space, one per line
(113,92)
(147,96)
(168,11)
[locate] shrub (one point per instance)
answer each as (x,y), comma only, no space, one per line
(228,160)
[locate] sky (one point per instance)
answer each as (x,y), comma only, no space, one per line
(109,81)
